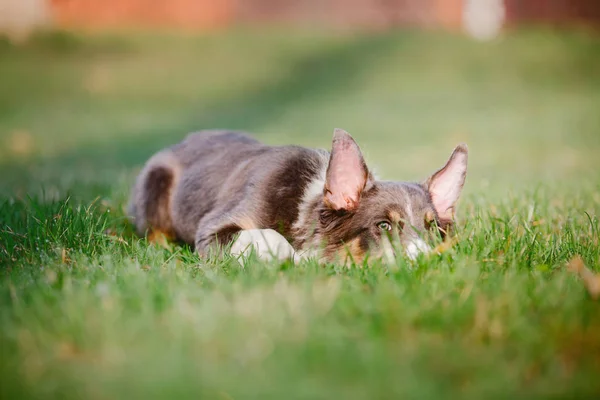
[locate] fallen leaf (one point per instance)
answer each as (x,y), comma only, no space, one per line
(225,396)
(67,351)
(21,142)
(98,80)
(591,281)
(64,257)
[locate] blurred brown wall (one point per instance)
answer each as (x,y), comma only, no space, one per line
(553,11)
(187,14)
(208,14)
(369,13)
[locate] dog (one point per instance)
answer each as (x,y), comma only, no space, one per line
(226,188)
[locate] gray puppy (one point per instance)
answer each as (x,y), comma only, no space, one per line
(224,186)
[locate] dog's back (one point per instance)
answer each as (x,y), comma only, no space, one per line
(216,183)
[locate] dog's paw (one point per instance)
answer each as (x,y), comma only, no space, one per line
(267,244)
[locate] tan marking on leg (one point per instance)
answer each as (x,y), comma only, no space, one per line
(161,220)
(160,238)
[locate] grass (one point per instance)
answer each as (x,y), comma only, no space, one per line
(87,310)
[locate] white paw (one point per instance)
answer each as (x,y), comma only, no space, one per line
(267,244)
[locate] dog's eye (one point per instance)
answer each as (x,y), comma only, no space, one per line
(384,226)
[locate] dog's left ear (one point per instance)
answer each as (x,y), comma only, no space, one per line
(347,173)
(446,184)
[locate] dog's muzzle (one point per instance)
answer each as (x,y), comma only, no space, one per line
(412,249)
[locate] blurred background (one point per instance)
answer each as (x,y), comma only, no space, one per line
(89,89)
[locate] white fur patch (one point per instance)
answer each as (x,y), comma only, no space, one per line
(313,190)
(409,208)
(267,244)
(416,247)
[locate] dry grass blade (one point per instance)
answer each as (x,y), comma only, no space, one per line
(445,245)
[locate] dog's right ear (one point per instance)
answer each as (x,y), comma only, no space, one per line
(347,173)
(446,184)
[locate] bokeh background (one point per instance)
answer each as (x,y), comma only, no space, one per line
(89,89)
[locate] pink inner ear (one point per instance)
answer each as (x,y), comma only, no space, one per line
(346,174)
(446,185)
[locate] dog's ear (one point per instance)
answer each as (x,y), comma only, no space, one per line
(446,184)
(347,173)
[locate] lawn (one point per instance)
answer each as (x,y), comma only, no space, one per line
(87,310)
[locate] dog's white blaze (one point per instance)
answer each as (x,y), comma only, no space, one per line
(409,208)
(313,190)
(416,247)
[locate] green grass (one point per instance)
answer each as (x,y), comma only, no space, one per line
(87,310)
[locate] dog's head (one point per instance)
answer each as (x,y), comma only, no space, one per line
(360,215)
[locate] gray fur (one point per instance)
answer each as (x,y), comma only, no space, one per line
(215,184)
